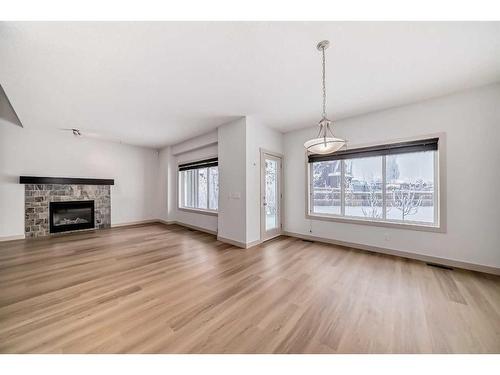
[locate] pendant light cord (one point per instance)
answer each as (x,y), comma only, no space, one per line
(325,142)
(324,83)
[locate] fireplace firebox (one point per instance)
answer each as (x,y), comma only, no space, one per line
(71,215)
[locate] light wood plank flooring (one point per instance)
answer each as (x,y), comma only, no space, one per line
(166,289)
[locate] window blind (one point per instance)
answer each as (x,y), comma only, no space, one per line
(430,144)
(213,162)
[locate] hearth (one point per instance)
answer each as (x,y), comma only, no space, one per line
(71,215)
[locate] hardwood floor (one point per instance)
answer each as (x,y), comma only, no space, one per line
(165,289)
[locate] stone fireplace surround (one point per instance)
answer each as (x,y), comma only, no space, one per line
(37,198)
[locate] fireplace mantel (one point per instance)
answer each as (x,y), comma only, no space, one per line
(65,180)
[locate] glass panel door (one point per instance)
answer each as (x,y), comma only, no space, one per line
(271,195)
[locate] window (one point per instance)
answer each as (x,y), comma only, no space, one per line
(199,185)
(395,183)
(410,187)
(213,201)
(326,187)
(363,187)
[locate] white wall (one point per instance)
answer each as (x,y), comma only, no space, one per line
(167,175)
(258,136)
(237,145)
(38,153)
(239,176)
(197,148)
(471,121)
(232,180)
(164,184)
(201,141)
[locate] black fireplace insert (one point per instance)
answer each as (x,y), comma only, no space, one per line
(72,215)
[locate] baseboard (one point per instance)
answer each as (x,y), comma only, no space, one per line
(166,222)
(232,242)
(219,238)
(149,221)
(12,238)
(187,226)
(242,245)
(402,254)
(253,243)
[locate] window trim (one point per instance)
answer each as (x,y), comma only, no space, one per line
(439,189)
(180,189)
(199,211)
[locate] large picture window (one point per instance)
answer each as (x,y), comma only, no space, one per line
(199,185)
(395,183)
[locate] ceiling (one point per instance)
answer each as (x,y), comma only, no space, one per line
(159,83)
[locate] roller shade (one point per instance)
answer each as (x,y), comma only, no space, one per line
(430,144)
(199,164)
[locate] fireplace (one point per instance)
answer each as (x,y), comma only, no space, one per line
(72,215)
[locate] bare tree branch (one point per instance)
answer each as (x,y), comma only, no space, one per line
(405,199)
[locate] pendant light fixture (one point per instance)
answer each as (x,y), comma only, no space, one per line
(325,142)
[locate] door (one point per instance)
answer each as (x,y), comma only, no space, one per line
(271,195)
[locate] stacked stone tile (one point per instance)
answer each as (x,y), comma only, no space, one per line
(38,197)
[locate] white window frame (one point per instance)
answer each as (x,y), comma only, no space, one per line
(180,193)
(439,224)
